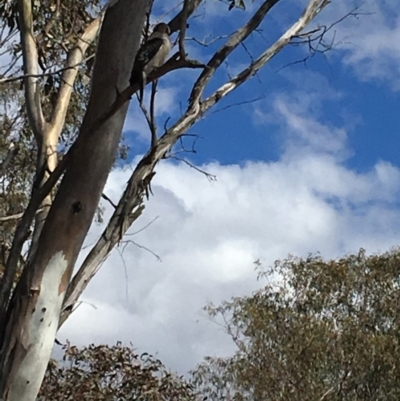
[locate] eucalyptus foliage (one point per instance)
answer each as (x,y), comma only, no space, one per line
(318,330)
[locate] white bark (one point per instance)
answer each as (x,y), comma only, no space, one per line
(45,315)
(30,57)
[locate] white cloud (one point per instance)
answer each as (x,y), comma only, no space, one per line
(299,115)
(165,100)
(209,234)
(369,40)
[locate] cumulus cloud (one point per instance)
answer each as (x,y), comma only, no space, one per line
(369,41)
(208,234)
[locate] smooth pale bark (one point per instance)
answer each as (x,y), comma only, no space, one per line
(30,57)
(51,133)
(32,317)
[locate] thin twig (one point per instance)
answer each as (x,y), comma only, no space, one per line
(225,50)
(313,8)
(153,126)
(210,177)
(45,74)
(183,149)
(104,196)
(256,99)
(207,44)
(166,123)
(143,228)
(315,39)
(142,247)
(150,116)
(121,255)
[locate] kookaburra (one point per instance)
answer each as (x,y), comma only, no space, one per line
(151,55)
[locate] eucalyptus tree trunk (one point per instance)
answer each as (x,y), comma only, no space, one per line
(27,332)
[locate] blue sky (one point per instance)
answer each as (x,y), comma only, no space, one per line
(363,105)
(313,166)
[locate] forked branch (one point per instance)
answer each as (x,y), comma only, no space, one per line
(131,205)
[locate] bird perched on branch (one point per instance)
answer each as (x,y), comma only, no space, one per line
(151,55)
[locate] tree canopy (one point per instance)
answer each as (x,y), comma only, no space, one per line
(102,372)
(318,330)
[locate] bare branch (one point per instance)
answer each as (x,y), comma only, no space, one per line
(256,99)
(206,44)
(8,37)
(143,228)
(183,148)
(210,177)
(15,216)
(75,58)
(337,387)
(91,264)
(174,63)
(47,155)
(235,40)
(104,196)
(315,39)
(153,127)
(329,391)
(45,74)
(182,33)
(313,8)
(176,23)
(38,196)
(11,65)
(133,197)
(126,242)
(30,57)
(151,122)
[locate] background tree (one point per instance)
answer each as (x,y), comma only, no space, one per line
(319,330)
(112,373)
(55,47)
